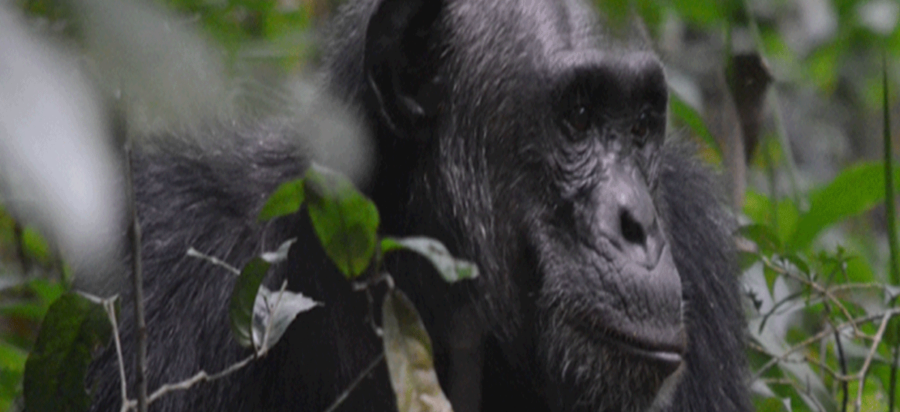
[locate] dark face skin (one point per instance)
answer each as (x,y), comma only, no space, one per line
(610,296)
(543,148)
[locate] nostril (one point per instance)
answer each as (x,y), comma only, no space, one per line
(632,231)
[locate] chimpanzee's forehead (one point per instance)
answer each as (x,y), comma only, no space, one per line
(544,32)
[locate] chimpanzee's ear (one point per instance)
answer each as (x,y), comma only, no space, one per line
(402,49)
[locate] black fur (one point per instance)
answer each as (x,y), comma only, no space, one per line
(467,101)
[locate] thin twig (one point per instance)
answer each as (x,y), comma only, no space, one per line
(819,288)
(212,259)
(819,336)
(891,215)
(854,286)
(201,376)
(111,314)
(137,279)
(842,361)
(893,380)
(366,286)
(343,396)
(865,368)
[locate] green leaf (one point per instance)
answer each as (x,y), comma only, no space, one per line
(703,12)
(345,221)
(407,350)
(746,260)
(684,112)
(773,405)
(251,305)
(11,357)
(48,291)
(798,262)
(771,276)
(55,370)
(758,208)
(890,207)
(450,268)
(286,200)
(243,298)
(856,190)
(762,235)
(35,246)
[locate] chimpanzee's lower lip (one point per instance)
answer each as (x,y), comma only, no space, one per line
(668,356)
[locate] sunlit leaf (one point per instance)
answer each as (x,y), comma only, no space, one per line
(855,190)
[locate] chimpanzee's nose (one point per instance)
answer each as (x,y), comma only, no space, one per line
(629,218)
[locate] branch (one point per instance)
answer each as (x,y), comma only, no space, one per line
(134,233)
(343,396)
(822,290)
(201,376)
(212,259)
(111,314)
(819,336)
(865,368)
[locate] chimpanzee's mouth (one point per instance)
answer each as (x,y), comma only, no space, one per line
(667,355)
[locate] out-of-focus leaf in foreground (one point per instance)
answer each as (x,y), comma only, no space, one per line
(73,330)
(56,169)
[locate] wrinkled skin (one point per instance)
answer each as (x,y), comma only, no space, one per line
(527,141)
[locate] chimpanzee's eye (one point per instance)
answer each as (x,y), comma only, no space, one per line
(579,118)
(642,127)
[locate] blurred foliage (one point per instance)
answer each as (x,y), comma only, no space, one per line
(255,29)
(259,34)
(815,257)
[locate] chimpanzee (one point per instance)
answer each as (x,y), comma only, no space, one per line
(520,134)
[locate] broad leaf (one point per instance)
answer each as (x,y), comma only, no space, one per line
(243,298)
(855,190)
(345,221)
(450,268)
(774,405)
(74,329)
(407,349)
(762,236)
(684,112)
(246,292)
(273,312)
(286,200)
